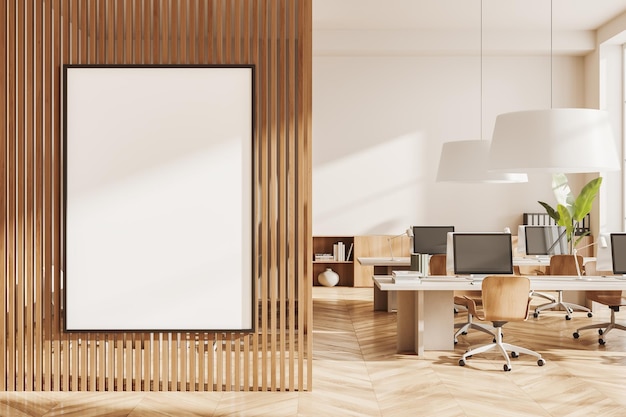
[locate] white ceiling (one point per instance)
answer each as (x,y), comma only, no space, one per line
(338,24)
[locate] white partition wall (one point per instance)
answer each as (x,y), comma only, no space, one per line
(158,198)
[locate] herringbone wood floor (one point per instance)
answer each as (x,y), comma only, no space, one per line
(356,372)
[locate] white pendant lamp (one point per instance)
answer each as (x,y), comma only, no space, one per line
(467,160)
(555,140)
(561,140)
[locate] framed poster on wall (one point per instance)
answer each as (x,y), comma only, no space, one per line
(158,198)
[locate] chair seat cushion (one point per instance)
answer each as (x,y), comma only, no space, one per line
(608,299)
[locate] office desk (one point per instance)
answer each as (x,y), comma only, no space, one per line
(384,266)
(426,308)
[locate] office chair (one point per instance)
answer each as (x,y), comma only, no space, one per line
(612,299)
(437,266)
(563,265)
(505,298)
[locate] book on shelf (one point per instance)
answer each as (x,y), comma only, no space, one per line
(339,251)
(349,252)
(324,257)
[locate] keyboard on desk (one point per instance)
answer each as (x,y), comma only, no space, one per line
(532,260)
(441,279)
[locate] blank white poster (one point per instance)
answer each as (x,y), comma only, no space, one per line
(158,198)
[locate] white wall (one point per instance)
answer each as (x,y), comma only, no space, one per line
(379,123)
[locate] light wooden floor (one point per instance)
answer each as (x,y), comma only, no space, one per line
(356,372)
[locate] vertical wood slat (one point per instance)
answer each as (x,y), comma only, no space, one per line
(259,243)
(202,33)
(283,205)
(274,221)
(182,34)
(304,58)
(47,200)
(10,198)
(119,31)
(20,196)
(29,261)
(59,352)
(38,295)
(175,34)
(192,53)
(291,133)
(39,38)
(262,158)
(4,134)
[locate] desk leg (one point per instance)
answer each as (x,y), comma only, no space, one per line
(380,299)
(407,333)
(438,318)
(425,321)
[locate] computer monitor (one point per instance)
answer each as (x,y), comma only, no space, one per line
(545,240)
(618,253)
(431,240)
(482,253)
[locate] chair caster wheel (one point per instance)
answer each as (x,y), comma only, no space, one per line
(601,341)
(567,317)
(456,341)
(541,362)
(535,314)
(506,368)
(589,314)
(461,362)
(514,355)
(600,332)
(576,335)
(463,333)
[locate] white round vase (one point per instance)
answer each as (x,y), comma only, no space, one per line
(328,278)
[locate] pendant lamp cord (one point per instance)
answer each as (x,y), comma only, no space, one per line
(481,69)
(551,51)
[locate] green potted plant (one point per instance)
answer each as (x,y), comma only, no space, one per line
(571,210)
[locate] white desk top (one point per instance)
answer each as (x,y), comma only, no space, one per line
(386,261)
(406,261)
(542,282)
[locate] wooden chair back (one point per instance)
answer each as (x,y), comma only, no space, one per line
(437,264)
(505,297)
(564,265)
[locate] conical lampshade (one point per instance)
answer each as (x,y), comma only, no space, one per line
(466,161)
(568,140)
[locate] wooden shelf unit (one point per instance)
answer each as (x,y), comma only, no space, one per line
(351,272)
(345,269)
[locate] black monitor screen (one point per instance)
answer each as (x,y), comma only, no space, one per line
(431,240)
(545,240)
(618,252)
(482,253)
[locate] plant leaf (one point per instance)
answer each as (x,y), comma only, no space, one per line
(562,191)
(584,201)
(565,220)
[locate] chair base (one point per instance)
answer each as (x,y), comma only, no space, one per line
(464,327)
(603,328)
(558,302)
(503,348)
(543,295)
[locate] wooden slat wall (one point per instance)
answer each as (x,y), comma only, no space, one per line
(37,38)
